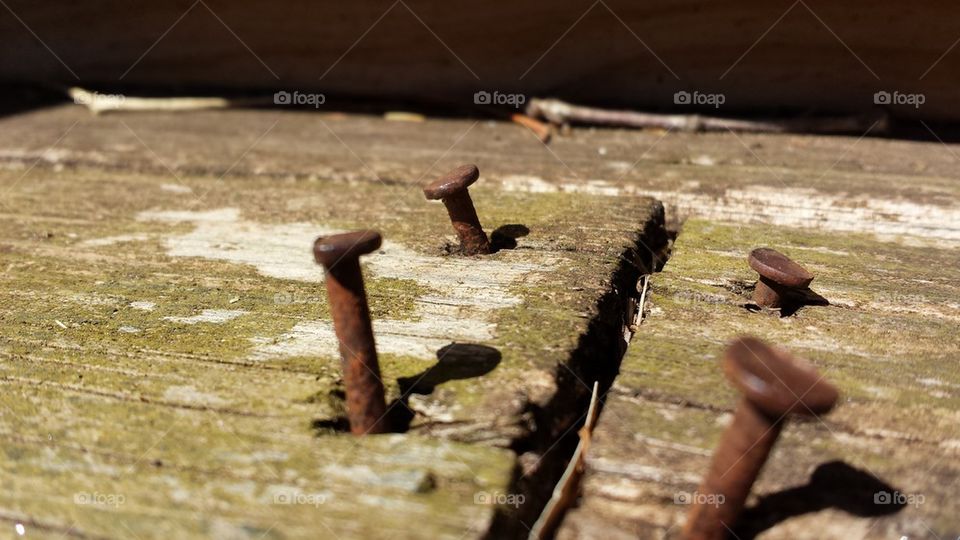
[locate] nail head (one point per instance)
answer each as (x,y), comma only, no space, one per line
(776,381)
(777,267)
(328,250)
(452,182)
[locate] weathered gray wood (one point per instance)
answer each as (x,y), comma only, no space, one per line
(167,354)
(894,188)
(67,173)
(888,341)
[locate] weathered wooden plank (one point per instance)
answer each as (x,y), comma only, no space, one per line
(89,236)
(888,339)
(169,368)
(894,188)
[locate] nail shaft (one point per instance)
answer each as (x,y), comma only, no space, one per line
(473,240)
(741,454)
(340,257)
(768,294)
(366,405)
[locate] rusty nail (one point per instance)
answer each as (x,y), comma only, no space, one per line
(340,256)
(774,384)
(778,277)
(452,189)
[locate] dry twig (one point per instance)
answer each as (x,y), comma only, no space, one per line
(562,113)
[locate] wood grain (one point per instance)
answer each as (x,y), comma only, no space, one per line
(763,56)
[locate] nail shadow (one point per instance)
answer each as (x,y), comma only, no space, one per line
(339,423)
(792,303)
(454,361)
(832,485)
(801,299)
(505,236)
